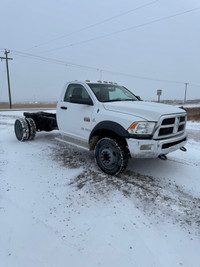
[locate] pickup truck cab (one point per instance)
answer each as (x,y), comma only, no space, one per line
(112,121)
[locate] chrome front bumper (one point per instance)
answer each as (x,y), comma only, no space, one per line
(153,148)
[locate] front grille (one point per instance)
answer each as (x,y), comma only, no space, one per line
(165,131)
(181,128)
(168,121)
(169,126)
(182,118)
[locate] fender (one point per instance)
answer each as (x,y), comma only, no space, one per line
(111,126)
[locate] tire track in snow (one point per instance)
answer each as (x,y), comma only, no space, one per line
(161,199)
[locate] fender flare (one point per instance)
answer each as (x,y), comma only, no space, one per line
(111,126)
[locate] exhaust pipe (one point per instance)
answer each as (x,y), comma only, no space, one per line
(163,157)
(183,149)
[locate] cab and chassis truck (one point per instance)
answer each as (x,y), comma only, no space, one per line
(111,121)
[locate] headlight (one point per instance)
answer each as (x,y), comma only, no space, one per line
(143,127)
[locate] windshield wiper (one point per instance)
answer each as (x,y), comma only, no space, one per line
(113,100)
(119,99)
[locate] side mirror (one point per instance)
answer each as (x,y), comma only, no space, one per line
(80,100)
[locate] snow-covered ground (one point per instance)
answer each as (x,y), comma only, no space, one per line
(58,209)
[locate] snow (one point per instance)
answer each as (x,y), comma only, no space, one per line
(58,209)
(193,125)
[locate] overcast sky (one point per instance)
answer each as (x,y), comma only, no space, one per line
(155,43)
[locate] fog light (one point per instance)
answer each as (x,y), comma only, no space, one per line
(146,147)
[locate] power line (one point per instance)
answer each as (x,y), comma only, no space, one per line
(124,30)
(52,60)
(66,63)
(196,85)
(93,25)
(143,77)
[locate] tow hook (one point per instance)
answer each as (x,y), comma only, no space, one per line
(183,149)
(163,157)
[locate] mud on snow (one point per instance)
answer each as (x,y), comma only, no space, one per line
(160,199)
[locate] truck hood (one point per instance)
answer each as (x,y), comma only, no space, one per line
(146,110)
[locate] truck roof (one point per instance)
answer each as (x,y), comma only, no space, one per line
(96,82)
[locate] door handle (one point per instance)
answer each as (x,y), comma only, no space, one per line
(63,108)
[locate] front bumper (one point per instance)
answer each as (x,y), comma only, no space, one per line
(153,148)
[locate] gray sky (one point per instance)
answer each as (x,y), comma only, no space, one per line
(155,42)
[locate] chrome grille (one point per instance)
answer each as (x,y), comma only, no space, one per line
(169,126)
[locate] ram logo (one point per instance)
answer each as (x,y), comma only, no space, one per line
(86,119)
(176,125)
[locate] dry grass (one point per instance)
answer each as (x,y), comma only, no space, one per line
(193,114)
(28,106)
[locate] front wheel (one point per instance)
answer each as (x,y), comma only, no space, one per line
(111,156)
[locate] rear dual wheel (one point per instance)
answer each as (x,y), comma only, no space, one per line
(25,129)
(111,156)
(32,128)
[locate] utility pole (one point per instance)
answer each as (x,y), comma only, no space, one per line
(186,85)
(7,58)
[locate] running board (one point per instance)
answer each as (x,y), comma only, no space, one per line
(73,142)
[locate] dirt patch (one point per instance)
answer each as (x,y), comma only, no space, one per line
(159,198)
(28,106)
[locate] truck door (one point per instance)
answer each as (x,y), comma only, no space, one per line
(74,117)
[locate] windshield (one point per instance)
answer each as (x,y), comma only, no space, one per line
(111,92)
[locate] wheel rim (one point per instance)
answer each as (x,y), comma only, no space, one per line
(109,156)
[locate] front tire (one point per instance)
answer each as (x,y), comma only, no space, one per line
(111,156)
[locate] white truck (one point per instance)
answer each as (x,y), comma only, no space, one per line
(111,121)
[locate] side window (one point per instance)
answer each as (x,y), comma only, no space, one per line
(68,93)
(76,91)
